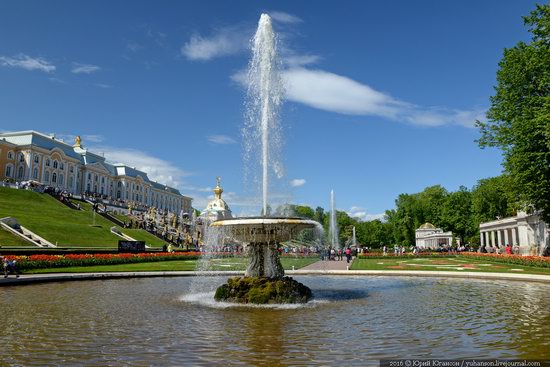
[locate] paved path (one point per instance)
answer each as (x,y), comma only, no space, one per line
(328,265)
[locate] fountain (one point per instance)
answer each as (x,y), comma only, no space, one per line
(264,280)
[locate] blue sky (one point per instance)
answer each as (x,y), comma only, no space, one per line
(381,96)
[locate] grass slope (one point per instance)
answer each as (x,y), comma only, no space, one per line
(8,239)
(52,220)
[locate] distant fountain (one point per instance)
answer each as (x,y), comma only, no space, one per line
(353,238)
(264,280)
(333,225)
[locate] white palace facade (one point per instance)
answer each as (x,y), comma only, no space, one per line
(33,156)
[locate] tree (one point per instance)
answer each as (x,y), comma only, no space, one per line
(519,116)
(456,214)
(492,198)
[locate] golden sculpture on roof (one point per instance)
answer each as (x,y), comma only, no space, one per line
(77,142)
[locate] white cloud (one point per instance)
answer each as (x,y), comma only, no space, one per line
(84,68)
(226,41)
(157,169)
(26,62)
(297,182)
(283,17)
(335,93)
(362,215)
(221,139)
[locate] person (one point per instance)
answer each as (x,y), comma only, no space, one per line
(508,249)
(10,266)
(348,255)
(4,265)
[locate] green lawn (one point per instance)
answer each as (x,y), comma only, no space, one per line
(59,224)
(8,239)
(175,265)
(444,264)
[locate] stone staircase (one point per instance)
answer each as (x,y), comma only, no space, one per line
(11,225)
(65,202)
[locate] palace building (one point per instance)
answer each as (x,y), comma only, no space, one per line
(33,156)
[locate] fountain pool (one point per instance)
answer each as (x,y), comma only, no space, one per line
(352,321)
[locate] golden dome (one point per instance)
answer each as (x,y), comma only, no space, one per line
(427,226)
(218,189)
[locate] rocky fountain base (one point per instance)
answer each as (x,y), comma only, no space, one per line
(264,281)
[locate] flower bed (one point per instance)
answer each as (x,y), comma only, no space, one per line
(408,255)
(42,261)
(537,261)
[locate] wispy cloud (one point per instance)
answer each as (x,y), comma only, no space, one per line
(26,62)
(101,85)
(223,42)
(133,46)
(297,182)
(84,68)
(221,139)
(362,215)
(283,17)
(157,169)
(86,138)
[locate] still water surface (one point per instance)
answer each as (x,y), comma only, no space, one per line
(353,321)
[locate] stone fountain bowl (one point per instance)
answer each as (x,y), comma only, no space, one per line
(263,229)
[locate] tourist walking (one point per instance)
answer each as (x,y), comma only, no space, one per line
(348,255)
(10,266)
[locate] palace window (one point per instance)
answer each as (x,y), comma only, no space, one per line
(8,170)
(54,164)
(47,176)
(102,180)
(54,177)
(118,194)
(20,172)
(47,162)
(119,184)
(61,179)
(95,178)
(10,155)
(35,174)
(71,169)
(21,157)
(36,158)
(61,166)
(70,181)
(89,177)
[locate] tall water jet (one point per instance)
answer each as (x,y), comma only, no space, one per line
(333,225)
(264,280)
(353,238)
(265,93)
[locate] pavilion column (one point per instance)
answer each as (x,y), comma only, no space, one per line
(499,238)
(493,238)
(514,237)
(482,238)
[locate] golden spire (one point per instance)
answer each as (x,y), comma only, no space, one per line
(77,142)
(218,189)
